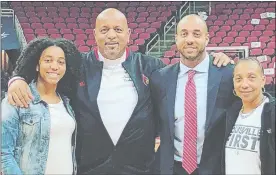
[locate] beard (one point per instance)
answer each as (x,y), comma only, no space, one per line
(112,53)
(192,57)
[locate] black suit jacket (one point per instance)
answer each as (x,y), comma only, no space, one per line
(219,97)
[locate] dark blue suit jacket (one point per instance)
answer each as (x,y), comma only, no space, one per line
(219,97)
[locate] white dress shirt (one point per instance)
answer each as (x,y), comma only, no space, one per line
(201,82)
(117,97)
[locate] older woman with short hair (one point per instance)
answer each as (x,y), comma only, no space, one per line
(250,123)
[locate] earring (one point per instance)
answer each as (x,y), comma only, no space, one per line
(234,92)
(263,89)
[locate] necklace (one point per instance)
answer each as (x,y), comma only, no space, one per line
(243,116)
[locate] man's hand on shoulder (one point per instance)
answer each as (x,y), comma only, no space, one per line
(221,59)
(19,93)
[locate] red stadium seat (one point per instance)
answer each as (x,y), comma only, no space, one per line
(140,19)
(248,11)
(232,34)
(48,25)
(53,31)
(31,14)
(151,19)
(36,26)
(144,25)
(139,30)
(111,4)
(79,43)
(91,42)
(134,36)
(255,52)
(40,31)
(132,14)
(244,33)
(55,35)
(218,23)
(224,44)
(234,16)
(25,25)
(141,9)
(216,40)
(269,51)
(23,19)
(225,28)
(144,36)
(78,31)
(268,33)
(270,27)
(151,30)
(139,42)
(228,39)
(84,26)
(143,14)
(84,49)
(248,27)
(134,48)
(151,9)
(230,22)
(175,60)
(231,6)
(245,16)
(240,39)
(81,37)
(241,22)
(69,37)
(221,34)
(169,54)
(271,45)
(166,61)
(237,28)
(72,26)
(256,33)
(70,20)
(28,31)
(264,39)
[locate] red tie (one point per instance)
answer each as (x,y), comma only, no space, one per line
(189,159)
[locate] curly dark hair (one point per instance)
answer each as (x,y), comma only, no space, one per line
(29,59)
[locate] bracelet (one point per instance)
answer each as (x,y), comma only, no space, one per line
(13,79)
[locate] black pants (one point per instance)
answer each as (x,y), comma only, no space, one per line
(179,170)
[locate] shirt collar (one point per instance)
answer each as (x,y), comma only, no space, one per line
(108,63)
(202,67)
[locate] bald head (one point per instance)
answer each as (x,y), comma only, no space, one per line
(111,33)
(111,14)
(194,20)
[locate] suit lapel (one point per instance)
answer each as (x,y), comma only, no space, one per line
(171,77)
(214,78)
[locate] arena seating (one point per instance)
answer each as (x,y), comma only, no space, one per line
(230,25)
(75,20)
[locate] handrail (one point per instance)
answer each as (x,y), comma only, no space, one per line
(180,14)
(246,48)
(158,40)
(169,22)
(8,13)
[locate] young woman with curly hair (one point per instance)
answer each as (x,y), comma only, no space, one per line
(41,139)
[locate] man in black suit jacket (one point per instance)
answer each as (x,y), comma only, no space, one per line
(199,112)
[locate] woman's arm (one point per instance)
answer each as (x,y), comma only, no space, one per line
(10,131)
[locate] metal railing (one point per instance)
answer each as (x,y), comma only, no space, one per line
(232,48)
(186,6)
(172,22)
(8,13)
(158,41)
